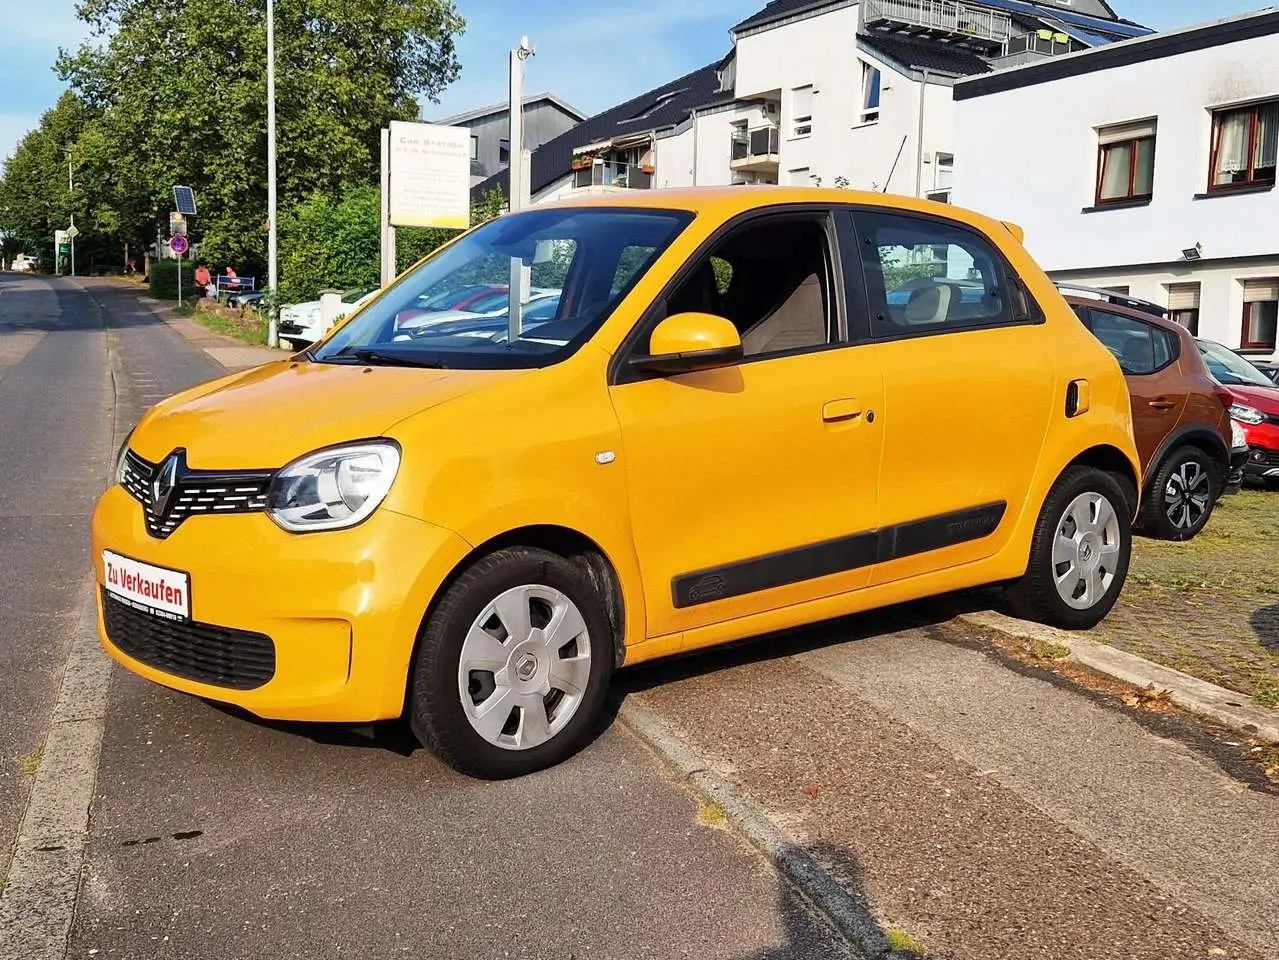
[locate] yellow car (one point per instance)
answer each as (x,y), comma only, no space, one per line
(750,409)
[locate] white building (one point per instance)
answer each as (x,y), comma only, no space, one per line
(1148,166)
(830,92)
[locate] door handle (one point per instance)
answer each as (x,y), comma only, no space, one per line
(837,411)
(1161,404)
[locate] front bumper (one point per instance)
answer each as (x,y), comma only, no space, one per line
(1234,476)
(341,608)
(1262,464)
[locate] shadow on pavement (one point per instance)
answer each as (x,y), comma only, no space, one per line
(1266,624)
(391,736)
(802,927)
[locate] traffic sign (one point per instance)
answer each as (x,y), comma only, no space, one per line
(72,231)
(178,244)
(184,200)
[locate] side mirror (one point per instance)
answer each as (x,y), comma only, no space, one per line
(690,341)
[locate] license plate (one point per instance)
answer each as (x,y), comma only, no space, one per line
(144,586)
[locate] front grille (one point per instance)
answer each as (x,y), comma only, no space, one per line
(195,492)
(1272,418)
(219,656)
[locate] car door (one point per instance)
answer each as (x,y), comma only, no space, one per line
(970,386)
(1148,358)
(754,486)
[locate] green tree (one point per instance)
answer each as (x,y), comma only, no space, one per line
(335,243)
(180,93)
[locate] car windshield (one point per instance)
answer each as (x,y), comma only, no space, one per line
(1230,369)
(585,258)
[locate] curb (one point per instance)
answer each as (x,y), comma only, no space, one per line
(804,873)
(1190,693)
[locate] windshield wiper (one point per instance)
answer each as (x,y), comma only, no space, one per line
(369,355)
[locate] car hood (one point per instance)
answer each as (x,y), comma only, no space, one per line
(1265,399)
(265,417)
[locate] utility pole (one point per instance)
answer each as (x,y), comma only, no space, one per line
(70,190)
(518,182)
(272,258)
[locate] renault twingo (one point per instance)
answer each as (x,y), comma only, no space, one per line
(754,409)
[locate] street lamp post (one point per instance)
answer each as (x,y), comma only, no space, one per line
(70,190)
(518,185)
(272,259)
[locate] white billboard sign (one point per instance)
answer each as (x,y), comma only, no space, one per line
(430,176)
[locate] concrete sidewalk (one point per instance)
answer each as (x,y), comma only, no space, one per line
(227,351)
(974,811)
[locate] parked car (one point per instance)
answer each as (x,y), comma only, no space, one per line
(302,324)
(493,307)
(24,264)
(1179,412)
(496,326)
(1269,368)
(464,298)
(250,301)
(1254,406)
(730,428)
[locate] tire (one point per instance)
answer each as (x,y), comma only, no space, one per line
(1084,601)
(485,722)
(1182,494)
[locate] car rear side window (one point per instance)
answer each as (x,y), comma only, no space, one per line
(929,276)
(1141,348)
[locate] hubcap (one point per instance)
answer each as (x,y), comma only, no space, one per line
(1186,496)
(525,667)
(1086,551)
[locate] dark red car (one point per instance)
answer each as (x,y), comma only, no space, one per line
(1254,406)
(1179,412)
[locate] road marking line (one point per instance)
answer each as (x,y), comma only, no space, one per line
(37,904)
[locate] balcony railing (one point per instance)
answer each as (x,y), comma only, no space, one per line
(754,144)
(947,17)
(613,173)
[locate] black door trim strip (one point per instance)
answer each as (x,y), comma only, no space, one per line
(837,556)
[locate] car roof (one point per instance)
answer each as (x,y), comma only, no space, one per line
(1172,326)
(726,202)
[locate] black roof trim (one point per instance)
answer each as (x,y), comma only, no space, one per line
(778,10)
(915,55)
(1139,50)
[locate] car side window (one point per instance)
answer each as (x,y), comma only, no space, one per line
(927,276)
(773,279)
(1139,347)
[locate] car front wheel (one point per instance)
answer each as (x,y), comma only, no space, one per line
(1182,495)
(1080,552)
(512,666)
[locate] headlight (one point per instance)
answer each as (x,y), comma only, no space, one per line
(335,488)
(1246,414)
(1237,437)
(119,457)
(315,315)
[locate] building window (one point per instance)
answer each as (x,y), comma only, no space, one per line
(1126,162)
(801,109)
(943,177)
(1260,315)
(1183,305)
(504,151)
(475,148)
(871,80)
(1245,143)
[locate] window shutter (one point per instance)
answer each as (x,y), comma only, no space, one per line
(1258,291)
(802,102)
(1183,296)
(1126,131)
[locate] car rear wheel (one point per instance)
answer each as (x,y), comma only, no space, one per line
(512,665)
(1080,552)
(1182,494)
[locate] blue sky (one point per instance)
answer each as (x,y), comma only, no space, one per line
(591,54)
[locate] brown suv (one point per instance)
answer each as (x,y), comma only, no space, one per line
(1179,414)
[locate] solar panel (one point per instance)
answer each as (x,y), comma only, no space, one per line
(184,200)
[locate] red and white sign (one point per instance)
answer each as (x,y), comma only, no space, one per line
(158,590)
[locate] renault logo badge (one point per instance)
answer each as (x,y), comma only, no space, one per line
(165,484)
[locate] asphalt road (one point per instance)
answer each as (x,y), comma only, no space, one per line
(213,835)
